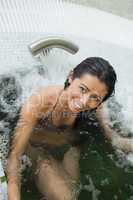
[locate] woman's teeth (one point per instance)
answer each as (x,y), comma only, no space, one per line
(77,106)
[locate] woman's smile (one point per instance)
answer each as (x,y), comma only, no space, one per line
(75,106)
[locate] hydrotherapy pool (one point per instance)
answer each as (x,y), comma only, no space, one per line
(105,173)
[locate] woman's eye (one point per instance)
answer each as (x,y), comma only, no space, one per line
(83,90)
(94,98)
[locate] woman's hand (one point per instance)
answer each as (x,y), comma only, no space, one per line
(118,141)
(125,144)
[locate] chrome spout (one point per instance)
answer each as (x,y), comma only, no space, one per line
(45,44)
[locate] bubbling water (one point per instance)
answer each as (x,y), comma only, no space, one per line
(28,74)
(31,74)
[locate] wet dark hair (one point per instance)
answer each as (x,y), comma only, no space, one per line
(98,67)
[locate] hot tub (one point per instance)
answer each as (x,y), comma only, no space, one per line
(105,173)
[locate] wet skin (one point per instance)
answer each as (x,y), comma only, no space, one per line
(83,93)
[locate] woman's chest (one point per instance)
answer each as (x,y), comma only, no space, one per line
(53,136)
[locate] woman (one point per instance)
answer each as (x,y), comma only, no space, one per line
(46,129)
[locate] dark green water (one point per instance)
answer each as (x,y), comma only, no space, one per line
(103,174)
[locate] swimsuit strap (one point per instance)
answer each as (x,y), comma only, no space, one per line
(49,117)
(57,100)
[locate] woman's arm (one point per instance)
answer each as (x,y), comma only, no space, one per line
(28,118)
(125,144)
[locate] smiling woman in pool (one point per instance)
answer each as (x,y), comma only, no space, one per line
(45,130)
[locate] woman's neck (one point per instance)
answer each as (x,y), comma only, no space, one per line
(62,113)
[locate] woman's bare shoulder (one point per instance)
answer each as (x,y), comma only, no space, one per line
(48,95)
(42,100)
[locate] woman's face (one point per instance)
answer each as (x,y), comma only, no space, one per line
(85,93)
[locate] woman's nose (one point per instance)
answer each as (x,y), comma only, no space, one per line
(84,100)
